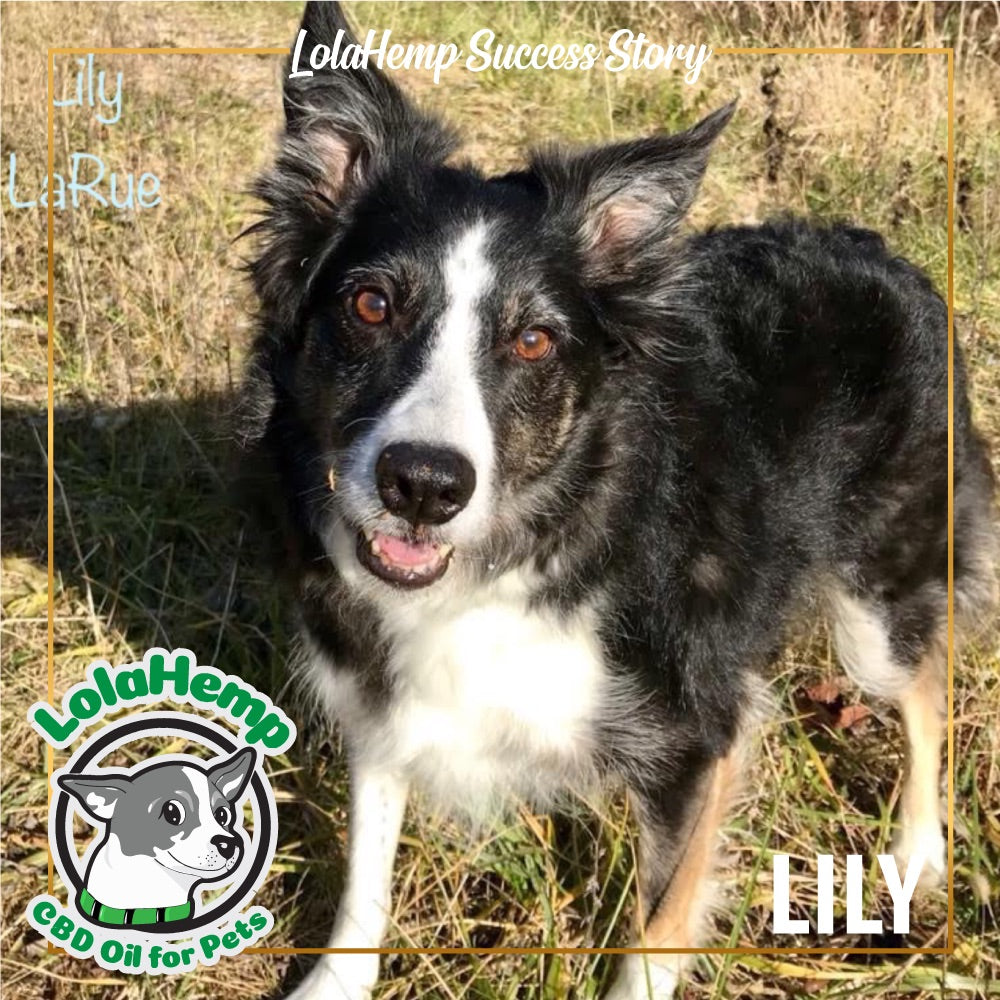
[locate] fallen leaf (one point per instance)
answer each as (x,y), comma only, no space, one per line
(850,715)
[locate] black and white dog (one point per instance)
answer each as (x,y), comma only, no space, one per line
(550,478)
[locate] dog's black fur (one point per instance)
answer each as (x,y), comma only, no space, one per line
(729,419)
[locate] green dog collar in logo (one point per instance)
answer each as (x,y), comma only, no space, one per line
(111,916)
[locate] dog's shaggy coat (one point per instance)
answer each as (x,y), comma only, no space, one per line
(670,442)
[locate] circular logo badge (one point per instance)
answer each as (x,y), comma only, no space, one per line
(162,824)
(169,829)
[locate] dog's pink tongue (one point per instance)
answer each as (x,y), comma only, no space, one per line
(405,553)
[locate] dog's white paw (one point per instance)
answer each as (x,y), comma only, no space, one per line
(339,977)
(640,978)
(929,842)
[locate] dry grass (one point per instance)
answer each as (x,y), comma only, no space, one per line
(151,323)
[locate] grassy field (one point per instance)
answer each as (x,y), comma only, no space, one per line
(152,320)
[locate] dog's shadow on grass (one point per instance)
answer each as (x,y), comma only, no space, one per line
(151,549)
(149,542)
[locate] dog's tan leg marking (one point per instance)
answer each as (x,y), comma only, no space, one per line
(922,706)
(863,643)
(677,917)
(676,921)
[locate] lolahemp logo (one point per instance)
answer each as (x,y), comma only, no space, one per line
(178,843)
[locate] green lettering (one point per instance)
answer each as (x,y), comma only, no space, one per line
(159,674)
(53,726)
(243,704)
(205,685)
(131,684)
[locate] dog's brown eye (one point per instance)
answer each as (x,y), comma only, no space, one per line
(173,812)
(222,816)
(533,344)
(370,306)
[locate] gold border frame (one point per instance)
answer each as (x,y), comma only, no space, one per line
(50,481)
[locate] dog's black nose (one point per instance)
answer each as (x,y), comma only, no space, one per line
(226,846)
(424,484)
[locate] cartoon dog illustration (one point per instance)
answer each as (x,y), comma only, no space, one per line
(168,828)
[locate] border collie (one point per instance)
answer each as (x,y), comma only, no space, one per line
(550,477)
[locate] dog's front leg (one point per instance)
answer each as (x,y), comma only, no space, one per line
(678,824)
(378,800)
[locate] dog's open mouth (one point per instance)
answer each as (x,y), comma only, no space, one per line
(407,562)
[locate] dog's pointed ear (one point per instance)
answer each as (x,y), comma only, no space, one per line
(349,120)
(626,199)
(343,125)
(99,794)
(232,775)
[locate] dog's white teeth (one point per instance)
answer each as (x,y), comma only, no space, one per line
(375,547)
(445,550)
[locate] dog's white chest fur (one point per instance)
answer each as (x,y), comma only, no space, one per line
(488,697)
(492,694)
